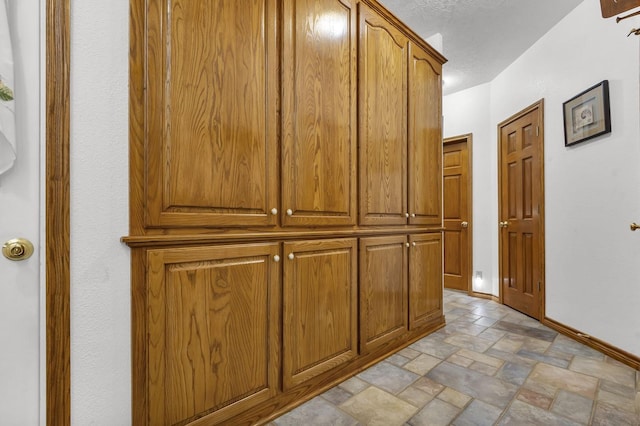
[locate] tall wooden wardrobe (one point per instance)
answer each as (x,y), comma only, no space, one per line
(285,193)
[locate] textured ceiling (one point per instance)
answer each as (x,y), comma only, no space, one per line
(480,37)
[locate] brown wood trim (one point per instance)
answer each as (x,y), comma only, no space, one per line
(468,139)
(611,351)
(57,236)
(232,237)
(484,296)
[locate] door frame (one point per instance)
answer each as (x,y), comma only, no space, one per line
(468,139)
(57,218)
(539,105)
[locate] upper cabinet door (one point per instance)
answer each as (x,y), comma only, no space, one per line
(319,146)
(425,138)
(211,108)
(383,121)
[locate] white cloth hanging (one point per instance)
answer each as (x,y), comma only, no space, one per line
(7,104)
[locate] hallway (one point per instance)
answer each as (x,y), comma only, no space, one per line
(488,365)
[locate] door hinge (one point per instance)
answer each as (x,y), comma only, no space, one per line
(537,130)
(538,285)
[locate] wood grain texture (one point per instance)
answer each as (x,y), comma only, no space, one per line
(319,151)
(383,121)
(521,198)
(212,113)
(319,307)
(425,279)
(383,290)
(213,332)
(457,208)
(57,234)
(424,154)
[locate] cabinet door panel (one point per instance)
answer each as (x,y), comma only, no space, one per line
(319,112)
(212,96)
(320,304)
(425,279)
(383,290)
(213,334)
(383,121)
(425,138)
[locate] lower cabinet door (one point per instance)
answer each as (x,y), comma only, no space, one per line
(319,307)
(425,279)
(383,290)
(213,331)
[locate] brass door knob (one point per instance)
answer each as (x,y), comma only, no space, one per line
(17,249)
(465,224)
(634,226)
(504,224)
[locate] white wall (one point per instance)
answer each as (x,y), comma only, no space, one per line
(100,274)
(592,189)
(467,112)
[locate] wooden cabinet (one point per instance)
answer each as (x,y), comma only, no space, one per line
(383,290)
(383,121)
(400,286)
(319,113)
(425,279)
(283,153)
(213,331)
(211,101)
(400,95)
(425,138)
(319,307)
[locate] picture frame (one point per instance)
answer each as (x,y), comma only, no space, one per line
(587,115)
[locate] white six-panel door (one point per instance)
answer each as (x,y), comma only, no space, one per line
(20,216)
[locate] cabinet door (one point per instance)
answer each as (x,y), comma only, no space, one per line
(213,331)
(383,290)
(383,121)
(211,101)
(319,307)
(425,138)
(425,279)
(319,113)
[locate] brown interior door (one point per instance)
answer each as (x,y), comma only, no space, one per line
(521,198)
(457,213)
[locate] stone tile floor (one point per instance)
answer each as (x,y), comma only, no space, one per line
(490,365)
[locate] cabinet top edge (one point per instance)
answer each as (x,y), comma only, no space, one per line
(413,36)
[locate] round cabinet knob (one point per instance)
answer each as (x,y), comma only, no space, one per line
(413,215)
(291,256)
(274,211)
(407,244)
(276,258)
(406,215)
(413,243)
(465,224)
(17,249)
(289,212)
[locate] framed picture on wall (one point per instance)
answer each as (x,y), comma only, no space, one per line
(587,114)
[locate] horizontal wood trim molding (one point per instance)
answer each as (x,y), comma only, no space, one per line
(484,296)
(232,237)
(597,344)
